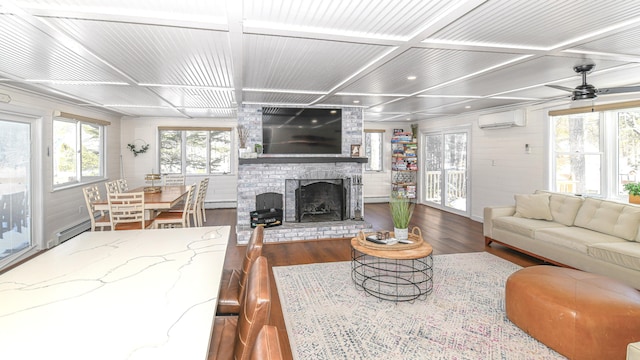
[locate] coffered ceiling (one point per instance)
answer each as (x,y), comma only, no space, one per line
(399,59)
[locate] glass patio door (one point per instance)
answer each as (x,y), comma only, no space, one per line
(445,170)
(15,188)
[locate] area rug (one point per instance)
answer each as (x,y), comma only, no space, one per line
(463,318)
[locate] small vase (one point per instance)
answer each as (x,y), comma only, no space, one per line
(401,234)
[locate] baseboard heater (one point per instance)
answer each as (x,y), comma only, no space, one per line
(73,231)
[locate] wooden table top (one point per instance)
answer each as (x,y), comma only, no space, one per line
(421,251)
(165,199)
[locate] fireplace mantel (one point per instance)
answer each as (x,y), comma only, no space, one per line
(307,160)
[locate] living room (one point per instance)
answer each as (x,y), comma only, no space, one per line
(440,65)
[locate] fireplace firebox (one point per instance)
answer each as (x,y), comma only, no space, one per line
(321,200)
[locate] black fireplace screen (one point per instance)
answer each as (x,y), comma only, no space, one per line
(321,200)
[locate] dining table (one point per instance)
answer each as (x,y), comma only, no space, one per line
(137,294)
(166,198)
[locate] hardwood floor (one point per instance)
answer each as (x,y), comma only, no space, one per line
(447,233)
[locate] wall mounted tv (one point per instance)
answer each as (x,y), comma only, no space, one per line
(301,131)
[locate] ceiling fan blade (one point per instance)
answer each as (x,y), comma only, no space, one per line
(619,90)
(563,88)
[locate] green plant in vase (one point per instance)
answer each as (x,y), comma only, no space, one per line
(401,211)
(634,192)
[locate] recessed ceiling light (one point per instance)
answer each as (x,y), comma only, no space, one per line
(411,77)
(333,111)
(468,107)
(356,101)
(313,121)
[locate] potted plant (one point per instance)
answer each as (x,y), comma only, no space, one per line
(634,192)
(401,211)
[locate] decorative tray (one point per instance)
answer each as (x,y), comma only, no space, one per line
(415,236)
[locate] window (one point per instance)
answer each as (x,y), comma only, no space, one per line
(373,140)
(596,153)
(195,151)
(78,151)
(578,155)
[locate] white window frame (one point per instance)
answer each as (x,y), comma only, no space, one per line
(183,151)
(80,179)
(367,145)
(609,172)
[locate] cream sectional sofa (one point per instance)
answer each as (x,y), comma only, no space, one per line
(589,234)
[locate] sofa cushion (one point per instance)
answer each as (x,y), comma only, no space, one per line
(523,226)
(609,218)
(623,253)
(564,207)
(575,238)
(533,206)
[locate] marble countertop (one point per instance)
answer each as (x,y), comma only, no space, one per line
(140,294)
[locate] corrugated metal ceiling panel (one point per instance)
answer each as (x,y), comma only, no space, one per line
(302,64)
(535,72)
(369,18)
(158,54)
(542,23)
(430,66)
(112,94)
(28,53)
(279,98)
(196,98)
(625,42)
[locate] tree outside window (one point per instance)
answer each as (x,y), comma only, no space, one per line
(195,151)
(77,152)
(596,153)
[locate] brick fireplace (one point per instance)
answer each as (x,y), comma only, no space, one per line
(285,175)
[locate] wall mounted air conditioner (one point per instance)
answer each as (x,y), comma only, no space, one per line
(502,120)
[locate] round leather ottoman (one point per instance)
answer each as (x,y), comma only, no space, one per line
(578,314)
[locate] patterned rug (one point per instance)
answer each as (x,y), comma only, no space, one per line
(463,318)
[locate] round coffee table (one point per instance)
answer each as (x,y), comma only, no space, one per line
(394,275)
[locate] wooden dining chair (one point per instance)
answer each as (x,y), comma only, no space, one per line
(99,219)
(267,345)
(234,336)
(126,211)
(112,187)
(202,191)
(173,179)
(171,218)
(233,281)
(122,185)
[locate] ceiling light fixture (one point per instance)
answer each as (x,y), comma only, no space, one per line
(467,107)
(356,101)
(411,77)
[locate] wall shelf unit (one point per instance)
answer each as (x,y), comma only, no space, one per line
(404,165)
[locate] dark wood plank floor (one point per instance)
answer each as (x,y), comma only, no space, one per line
(447,233)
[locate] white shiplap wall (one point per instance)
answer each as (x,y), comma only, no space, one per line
(499,165)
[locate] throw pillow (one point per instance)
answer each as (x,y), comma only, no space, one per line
(533,206)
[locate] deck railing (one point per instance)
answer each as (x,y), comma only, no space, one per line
(456,185)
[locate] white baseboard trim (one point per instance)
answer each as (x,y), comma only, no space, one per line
(376,199)
(220,204)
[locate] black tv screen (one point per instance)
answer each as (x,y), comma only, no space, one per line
(301,131)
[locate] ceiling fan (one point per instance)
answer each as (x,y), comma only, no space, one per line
(588,91)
